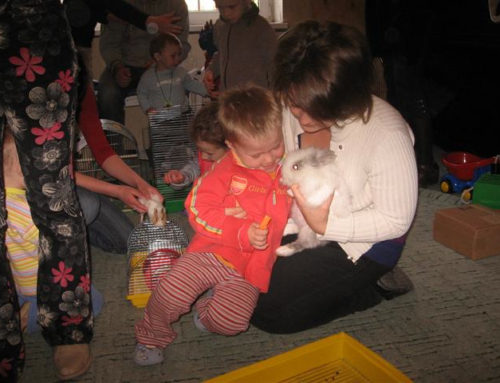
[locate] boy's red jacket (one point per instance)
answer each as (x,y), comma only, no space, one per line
(230,184)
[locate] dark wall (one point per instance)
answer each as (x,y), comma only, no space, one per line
(464,64)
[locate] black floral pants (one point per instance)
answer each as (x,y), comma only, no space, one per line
(37,102)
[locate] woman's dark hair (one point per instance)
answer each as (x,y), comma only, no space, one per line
(325,69)
(160,41)
(206,126)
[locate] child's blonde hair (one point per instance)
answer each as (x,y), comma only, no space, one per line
(249,111)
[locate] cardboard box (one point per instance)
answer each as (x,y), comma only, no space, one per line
(471,230)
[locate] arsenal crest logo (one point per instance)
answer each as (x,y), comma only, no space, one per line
(238,185)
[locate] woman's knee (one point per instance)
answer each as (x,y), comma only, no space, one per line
(272,321)
(89,203)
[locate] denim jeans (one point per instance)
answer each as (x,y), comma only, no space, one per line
(108,227)
(111,98)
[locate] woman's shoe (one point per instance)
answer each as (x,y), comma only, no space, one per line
(72,360)
(394,283)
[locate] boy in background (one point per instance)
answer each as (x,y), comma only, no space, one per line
(230,256)
(246,45)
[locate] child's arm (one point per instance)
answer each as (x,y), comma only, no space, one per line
(179,179)
(143,92)
(194,86)
(206,205)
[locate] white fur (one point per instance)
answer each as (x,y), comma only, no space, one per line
(156,211)
(318,177)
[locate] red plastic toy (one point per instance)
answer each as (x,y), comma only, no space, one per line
(464,169)
(463,164)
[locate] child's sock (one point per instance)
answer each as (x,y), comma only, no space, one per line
(147,355)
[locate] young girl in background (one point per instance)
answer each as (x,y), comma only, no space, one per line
(208,136)
(22,243)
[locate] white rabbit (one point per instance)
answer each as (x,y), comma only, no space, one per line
(318,176)
(156,211)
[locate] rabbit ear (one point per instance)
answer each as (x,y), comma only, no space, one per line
(323,157)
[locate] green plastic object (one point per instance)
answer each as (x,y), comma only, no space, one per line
(174,199)
(487,191)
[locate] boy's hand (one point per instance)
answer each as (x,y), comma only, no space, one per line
(236,212)
(173,177)
(257,237)
(208,81)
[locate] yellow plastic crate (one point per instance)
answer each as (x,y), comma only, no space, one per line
(337,358)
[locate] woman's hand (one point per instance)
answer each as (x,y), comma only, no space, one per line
(257,237)
(164,23)
(128,195)
(147,191)
(317,217)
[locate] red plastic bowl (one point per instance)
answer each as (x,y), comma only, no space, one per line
(463,164)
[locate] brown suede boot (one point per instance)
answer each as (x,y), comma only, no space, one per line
(72,360)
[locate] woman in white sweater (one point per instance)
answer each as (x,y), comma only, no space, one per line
(323,75)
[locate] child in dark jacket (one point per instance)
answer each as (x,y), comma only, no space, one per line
(246,45)
(230,256)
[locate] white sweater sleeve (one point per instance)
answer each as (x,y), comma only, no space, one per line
(391,185)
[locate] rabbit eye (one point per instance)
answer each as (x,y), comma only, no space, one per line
(295,167)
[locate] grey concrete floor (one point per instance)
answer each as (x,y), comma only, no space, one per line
(446,330)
